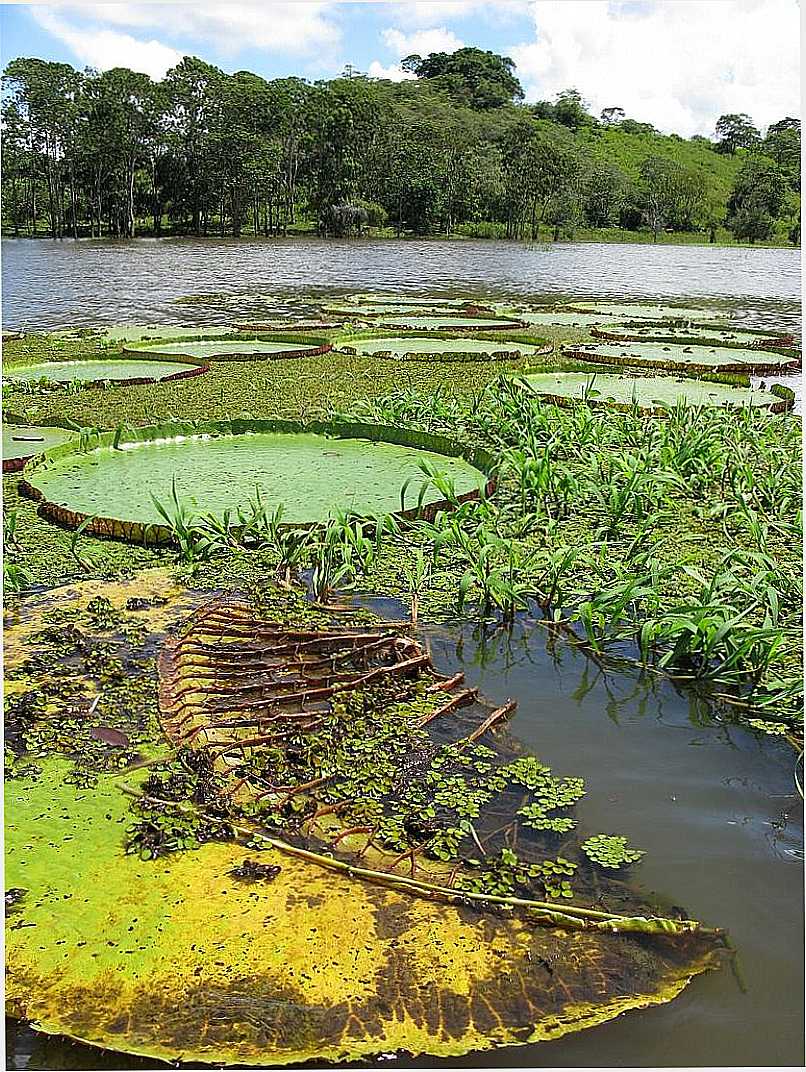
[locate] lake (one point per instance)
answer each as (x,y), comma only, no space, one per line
(715,806)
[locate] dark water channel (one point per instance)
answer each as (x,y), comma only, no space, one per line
(714,806)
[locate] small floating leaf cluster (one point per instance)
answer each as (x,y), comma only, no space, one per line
(610,851)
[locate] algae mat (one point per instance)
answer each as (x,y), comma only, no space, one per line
(97,371)
(646,391)
(311,475)
(402,345)
(695,357)
(179,958)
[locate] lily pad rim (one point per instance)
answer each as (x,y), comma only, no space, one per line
(791,360)
(780,405)
(151,533)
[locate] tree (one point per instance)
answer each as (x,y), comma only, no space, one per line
(604,194)
(736,131)
(757,199)
(480,79)
(611,116)
(659,186)
(782,144)
(568,109)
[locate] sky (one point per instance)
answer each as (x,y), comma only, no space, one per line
(678,64)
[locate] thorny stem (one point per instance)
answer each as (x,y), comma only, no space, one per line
(545,913)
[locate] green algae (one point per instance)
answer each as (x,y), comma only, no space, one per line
(645,391)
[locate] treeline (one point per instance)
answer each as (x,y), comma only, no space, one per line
(203,152)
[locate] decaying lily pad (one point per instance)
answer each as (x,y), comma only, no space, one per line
(178,958)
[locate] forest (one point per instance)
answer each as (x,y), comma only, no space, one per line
(454,151)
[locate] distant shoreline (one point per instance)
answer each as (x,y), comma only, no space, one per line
(610,236)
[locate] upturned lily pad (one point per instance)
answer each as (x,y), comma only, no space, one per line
(694,357)
(215,467)
(112,370)
(179,958)
(648,392)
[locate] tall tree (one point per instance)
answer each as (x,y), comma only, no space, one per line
(478,78)
(736,131)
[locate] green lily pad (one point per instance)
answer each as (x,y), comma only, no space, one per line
(649,392)
(218,467)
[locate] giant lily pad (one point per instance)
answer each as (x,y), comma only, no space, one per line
(704,334)
(425,347)
(636,310)
(694,357)
(104,370)
(558,317)
(24,441)
(216,467)
(236,349)
(648,392)
(439,322)
(231,955)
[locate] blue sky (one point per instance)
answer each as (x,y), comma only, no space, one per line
(676,63)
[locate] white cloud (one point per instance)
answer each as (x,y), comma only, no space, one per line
(105,49)
(421,42)
(676,65)
(394,73)
(424,13)
(278,26)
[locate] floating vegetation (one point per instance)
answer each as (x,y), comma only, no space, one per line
(655,394)
(235,348)
(636,310)
(694,357)
(121,484)
(433,347)
(24,441)
(610,851)
(102,371)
